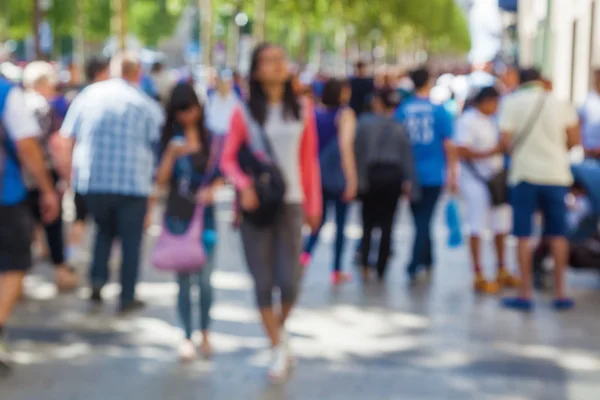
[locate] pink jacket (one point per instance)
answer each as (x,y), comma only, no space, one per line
(309,161)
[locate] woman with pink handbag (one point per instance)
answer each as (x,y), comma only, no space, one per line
(187,171)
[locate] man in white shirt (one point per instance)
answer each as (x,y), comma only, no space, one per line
(539,129)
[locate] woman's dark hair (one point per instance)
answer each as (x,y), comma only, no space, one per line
(182,98)
(390,98)
(257,100)
(486,93)
(332,92)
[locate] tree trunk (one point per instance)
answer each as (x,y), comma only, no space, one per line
(259,20)
(119,23)
(37,20)
(79,40)
(205,14)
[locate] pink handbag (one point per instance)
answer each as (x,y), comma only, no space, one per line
(181,253)
(185,253)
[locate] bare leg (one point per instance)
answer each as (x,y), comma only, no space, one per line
(525,264)
(39,240)
(206,347)
(560,253)
(77,233)
(11,284)
(286,310)
(499,241)
(475,248)
(271,324)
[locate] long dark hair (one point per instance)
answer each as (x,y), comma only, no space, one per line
(182,97)
(257,101)
(332,92)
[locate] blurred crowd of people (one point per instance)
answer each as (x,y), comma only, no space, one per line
(293,149)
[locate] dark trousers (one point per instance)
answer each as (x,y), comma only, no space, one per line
(422,211)
(378,211)
(341,212)
(122,217)
(53,230)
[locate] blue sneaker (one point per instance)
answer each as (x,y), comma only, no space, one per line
(563,304)
(518,304)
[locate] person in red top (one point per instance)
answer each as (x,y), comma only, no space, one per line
(273,251)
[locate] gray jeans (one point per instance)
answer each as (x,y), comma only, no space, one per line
(273,255)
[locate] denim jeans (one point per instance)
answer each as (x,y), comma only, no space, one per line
(341,212)
(422,211)
(202,278)
(117,216)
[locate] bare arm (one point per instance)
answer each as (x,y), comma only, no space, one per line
(346,137)
(573,136)
(163,176)
(61,149)
(32,157)
(452,163)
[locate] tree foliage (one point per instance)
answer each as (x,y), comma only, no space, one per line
(437,24)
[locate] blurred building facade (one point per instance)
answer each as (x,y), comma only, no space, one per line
(562,37)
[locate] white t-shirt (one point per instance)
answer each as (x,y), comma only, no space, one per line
(543,157)
(218,112)
(19,121)
(479,132)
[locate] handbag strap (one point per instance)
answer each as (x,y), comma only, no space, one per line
(252,123)
(525,132)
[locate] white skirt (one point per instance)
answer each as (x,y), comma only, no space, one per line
(479,212)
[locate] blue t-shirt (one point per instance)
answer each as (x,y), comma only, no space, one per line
(12,186)
(428,126)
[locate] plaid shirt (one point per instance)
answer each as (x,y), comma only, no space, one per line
(115,127)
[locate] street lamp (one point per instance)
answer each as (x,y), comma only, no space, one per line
(241,19)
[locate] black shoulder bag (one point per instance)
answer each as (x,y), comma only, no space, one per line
(497,184)
(267,178)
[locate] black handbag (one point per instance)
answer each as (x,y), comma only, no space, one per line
(497,185)
(268,180)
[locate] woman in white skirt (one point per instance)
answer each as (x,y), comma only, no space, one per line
(482,158)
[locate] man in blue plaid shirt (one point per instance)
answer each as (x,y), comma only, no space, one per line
(114,127)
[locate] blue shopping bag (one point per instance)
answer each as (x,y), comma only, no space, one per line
(453,222)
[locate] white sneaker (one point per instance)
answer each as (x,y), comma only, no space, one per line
(278,369)
(187,351)
(5,358)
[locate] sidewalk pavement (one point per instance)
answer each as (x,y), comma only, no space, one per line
(436,342)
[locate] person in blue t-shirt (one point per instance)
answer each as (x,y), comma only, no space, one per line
(19,149)
(430,128)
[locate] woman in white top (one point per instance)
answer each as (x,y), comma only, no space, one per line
(481,153)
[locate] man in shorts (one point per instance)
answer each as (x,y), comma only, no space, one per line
(539,129)
(19,144)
